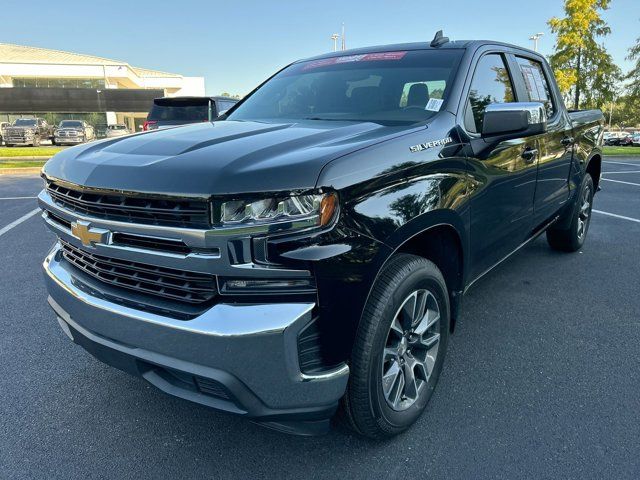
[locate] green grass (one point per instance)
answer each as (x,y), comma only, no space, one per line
(21,163)
(29,151)
(621,150)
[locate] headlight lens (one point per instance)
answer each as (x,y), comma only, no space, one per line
(315,209)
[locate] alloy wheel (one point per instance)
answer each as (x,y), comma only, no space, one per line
(585,213)
(411,349)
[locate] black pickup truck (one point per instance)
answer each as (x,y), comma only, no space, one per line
(309,250)
(28,131)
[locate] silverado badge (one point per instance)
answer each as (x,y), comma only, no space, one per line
(436,143)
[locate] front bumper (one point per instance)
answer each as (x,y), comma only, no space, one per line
(68,140)
(241,359)
(19,141)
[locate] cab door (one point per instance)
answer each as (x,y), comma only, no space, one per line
(555,146)
(501,212)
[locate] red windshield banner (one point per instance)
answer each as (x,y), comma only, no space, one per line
(367,57)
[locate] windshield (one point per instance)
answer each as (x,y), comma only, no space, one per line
(25,122)
(390,88)
(196,110)
(70,124)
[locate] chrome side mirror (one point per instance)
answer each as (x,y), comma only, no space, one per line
(515,119)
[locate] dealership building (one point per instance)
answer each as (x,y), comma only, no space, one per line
(58,85)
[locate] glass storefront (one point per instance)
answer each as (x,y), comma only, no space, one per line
(58,82)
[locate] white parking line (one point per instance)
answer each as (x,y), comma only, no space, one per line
(620,181)
(616,216)
(18,221)
(16,198)
(603,173)
(622,163)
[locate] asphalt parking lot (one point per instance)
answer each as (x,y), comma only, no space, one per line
(542,377)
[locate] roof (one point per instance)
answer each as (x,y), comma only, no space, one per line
(451,45)
(10,53)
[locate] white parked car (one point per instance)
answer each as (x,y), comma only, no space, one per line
(119,130)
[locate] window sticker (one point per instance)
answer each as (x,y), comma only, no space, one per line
(534,83)
(434,104)
(367,57)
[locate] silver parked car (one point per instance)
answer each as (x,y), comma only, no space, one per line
(118,130)
(73,132)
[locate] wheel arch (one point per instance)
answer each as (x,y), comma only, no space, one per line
(594,168)
(438,236)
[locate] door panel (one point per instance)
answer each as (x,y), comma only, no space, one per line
(502,208)
(554,164)
(555,152)
(501,211)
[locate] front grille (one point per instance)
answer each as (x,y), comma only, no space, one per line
(136,241)
(132,208)
(149,243)
(167,283)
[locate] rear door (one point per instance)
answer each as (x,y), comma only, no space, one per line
(502,207)
(555,147)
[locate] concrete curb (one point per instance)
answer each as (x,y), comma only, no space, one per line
(21,158)
(20,171)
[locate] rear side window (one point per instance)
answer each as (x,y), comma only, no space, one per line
(490,84)
(182,111)
(536,83)
(224,105)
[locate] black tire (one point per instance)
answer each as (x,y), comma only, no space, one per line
(53,142)
(36,142)
(365,406)
(571,239)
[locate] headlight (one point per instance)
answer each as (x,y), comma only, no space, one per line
(293,212)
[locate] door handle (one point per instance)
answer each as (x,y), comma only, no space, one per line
(566,141)
(530,155)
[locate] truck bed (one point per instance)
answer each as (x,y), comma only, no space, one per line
(585,117)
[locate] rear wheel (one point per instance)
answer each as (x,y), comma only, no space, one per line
(572,238)
(399,348)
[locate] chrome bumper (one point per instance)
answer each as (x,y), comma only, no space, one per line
(249,349)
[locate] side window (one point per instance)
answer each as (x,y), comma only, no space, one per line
(536,83)
(224,105)
(490,84)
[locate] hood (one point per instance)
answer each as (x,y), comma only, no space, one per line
(216,158)
(13,127)
(69,129)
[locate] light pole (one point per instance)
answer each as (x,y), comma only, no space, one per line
(535,39)
(335,38)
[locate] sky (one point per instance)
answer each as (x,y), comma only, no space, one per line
(237,44)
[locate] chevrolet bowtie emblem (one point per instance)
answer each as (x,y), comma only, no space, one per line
(88,235)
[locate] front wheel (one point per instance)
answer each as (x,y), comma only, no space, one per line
(399,348)
(572,238)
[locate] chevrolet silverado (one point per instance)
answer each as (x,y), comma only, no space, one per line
(308,251)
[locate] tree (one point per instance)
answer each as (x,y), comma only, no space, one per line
(227,94)
(583,67)
(634,74)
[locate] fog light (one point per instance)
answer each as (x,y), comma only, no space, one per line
(264,286)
